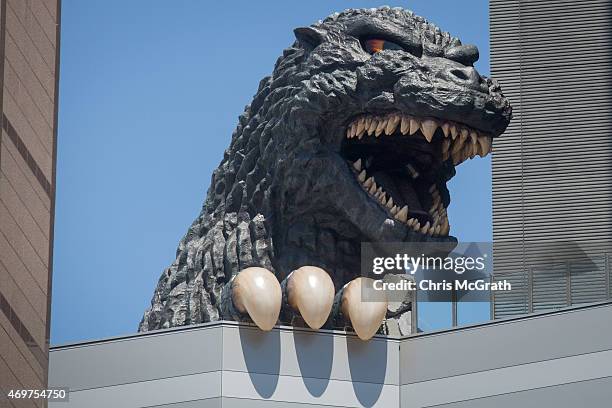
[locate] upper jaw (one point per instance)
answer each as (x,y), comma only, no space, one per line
(460,141)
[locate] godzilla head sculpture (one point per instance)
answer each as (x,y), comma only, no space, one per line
(351,139)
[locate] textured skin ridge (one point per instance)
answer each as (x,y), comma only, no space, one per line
(282,196)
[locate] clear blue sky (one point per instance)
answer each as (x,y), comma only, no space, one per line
(150,93)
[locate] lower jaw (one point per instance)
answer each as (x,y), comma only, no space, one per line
(434,223)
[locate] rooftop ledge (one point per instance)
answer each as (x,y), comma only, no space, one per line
(501,363)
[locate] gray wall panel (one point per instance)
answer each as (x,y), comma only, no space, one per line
(585,394)
(291,389)
(508,380)
(515,342)
(138,358)
(142,394)
(311,354)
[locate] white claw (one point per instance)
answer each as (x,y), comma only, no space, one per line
(365,316)
(310,291)
(256,292)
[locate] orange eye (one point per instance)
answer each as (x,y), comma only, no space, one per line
(374,45)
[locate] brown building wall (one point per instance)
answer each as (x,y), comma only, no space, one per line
(29,40)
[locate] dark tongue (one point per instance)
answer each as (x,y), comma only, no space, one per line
(400,187)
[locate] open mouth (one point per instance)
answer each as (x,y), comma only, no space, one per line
(404,161)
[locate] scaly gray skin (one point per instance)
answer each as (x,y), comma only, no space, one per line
(284,195)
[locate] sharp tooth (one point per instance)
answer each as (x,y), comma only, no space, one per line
(392,124)
(446,129)
(379,193)
(412,221)
(428,127)
(368,182)
(381,127)
(367,122)
(357,165)
(431,230)
(457,146)
(390,203)
(353,130)
(436,218)
(405,127)
(360,126)
(425,228)
(485,145)
(464,134)
(454,132)
(394,210)
(373,126)
(474,137)
(414,125)
(435,208)
(445,228)
(402,215)
(372,189)
(348,132)
(445,145)
(456,157)
(362,176)
(437,230)
(473,149)
(467,150)
(416,226)
(384,200)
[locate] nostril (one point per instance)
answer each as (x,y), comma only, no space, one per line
(459,73)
